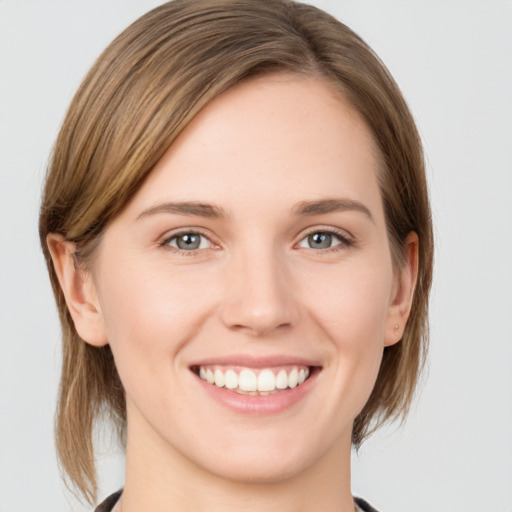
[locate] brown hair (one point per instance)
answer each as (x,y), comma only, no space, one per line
(139,95)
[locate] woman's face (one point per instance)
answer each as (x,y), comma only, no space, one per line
(254,254)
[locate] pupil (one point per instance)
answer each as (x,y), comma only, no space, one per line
(320,240)
(188,242)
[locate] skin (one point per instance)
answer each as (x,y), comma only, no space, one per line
(254,287)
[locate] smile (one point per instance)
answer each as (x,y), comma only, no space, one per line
(249,381)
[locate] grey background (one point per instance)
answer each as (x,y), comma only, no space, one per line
(453,60)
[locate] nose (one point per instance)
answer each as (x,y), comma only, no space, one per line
(259,295)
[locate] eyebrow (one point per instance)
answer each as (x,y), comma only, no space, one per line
(186,208)
(303,209)
(319,207)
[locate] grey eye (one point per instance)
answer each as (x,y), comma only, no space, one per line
(320,240)
(189,241)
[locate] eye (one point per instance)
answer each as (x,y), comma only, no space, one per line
(187,241)
(324,240)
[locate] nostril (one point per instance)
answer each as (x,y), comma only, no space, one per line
(259,326)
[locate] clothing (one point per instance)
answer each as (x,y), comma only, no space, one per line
(363,505)
(109,503)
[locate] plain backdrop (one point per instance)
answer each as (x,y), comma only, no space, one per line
(453,61)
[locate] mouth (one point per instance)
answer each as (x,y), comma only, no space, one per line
(250,381)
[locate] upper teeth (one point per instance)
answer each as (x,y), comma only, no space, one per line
(245,379)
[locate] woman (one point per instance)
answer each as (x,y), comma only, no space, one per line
(237,230)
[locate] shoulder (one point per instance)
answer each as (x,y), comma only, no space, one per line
(364,506)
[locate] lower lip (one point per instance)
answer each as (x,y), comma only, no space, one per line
(258,405)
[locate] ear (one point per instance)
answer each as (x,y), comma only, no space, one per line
(403,292)
(79,291)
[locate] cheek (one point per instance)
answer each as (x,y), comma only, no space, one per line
(151,315)
(351,308)
(352,304)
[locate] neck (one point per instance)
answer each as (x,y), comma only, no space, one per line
(161,479)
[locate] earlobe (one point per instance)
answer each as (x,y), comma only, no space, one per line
(79,291)
(403,295)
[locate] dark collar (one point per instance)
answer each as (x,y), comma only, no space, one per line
(108,504)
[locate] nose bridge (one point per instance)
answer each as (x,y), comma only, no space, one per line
(259,293)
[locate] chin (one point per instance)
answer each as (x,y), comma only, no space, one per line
(250,471)
(264,460)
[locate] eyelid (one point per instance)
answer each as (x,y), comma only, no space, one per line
(346,238)
(165,239)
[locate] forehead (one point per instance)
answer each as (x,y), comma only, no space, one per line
(277,137)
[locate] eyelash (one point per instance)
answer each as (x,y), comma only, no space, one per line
(346,240)
(167,240)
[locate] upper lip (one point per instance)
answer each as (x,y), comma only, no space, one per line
(251,361)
